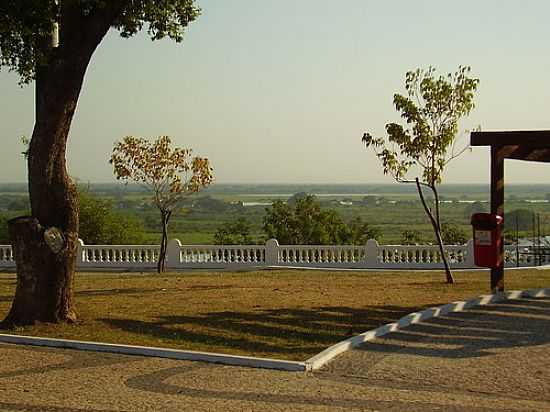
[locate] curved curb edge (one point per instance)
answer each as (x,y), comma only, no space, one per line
(319,360)
(311,364)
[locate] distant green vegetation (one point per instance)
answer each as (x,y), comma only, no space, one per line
(392,213)
(302,221)
(100,224)
(3,231)
(234,233)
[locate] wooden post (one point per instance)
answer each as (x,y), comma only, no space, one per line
(497,206)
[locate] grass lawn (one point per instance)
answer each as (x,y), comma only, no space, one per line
(283,314)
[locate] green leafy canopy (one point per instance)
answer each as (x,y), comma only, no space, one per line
(304,222)
(431,108)
(26,24)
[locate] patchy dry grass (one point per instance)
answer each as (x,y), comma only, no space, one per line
(282,314)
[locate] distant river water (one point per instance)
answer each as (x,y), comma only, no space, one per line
(314,194)
(245,204)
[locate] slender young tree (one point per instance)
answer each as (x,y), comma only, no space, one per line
(431,109)
(51,43)
(169,174)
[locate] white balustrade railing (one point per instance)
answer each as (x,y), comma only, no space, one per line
(116,256)
(7,259)
(370,256)
(217,256)
(423,257)
(321,256)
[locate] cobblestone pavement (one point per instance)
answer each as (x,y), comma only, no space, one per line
(491,358)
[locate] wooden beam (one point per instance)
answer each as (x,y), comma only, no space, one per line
(523,152)
(537,155)
(497,207)
(530,138)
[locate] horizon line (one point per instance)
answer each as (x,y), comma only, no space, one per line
(292,183)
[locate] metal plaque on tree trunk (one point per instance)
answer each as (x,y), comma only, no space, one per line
(54,239)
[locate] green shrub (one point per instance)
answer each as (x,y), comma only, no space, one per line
(233,233)
(4,238)
(305,223)
(411,237)
(100,224)
(453,235)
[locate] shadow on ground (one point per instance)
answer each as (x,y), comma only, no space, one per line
(292,332)
(472,333)
(298,333)
(101,292)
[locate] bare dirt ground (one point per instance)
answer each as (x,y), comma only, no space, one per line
(490,358)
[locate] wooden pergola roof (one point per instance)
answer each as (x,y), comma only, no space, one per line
(531,145)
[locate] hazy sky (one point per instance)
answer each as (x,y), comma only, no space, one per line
(282,91)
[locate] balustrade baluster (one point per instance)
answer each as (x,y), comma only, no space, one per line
(336,255)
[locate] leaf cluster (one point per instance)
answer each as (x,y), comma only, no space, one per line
(233,233)
(169,173)
(411,237)
(306,223)
(26,25)
(23,26)
(452,234)
(100,224)
(4,237)
(431,109)
(164,18)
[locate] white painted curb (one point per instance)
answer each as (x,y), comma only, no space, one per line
(319,360)
(157,352)
(311,364)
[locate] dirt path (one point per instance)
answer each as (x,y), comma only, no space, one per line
(495,357)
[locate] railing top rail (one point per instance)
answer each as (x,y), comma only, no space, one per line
(120,246)
(323,246)
(222,247)
(463,245)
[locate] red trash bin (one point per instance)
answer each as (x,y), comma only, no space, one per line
(487,239)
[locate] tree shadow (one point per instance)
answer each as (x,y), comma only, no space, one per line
(6,298)
(101,292)
(117,291)
(285,331)
(212,287)
(293,332)
(476,332)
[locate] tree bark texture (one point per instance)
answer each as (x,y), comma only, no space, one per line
(165,218)
(436,225)
(45,276)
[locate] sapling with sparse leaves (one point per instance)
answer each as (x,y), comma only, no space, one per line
(168,173)
(431,108)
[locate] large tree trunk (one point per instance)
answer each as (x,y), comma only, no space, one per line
(45,243)
(46,275)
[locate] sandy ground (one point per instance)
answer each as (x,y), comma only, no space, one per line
(495,357)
